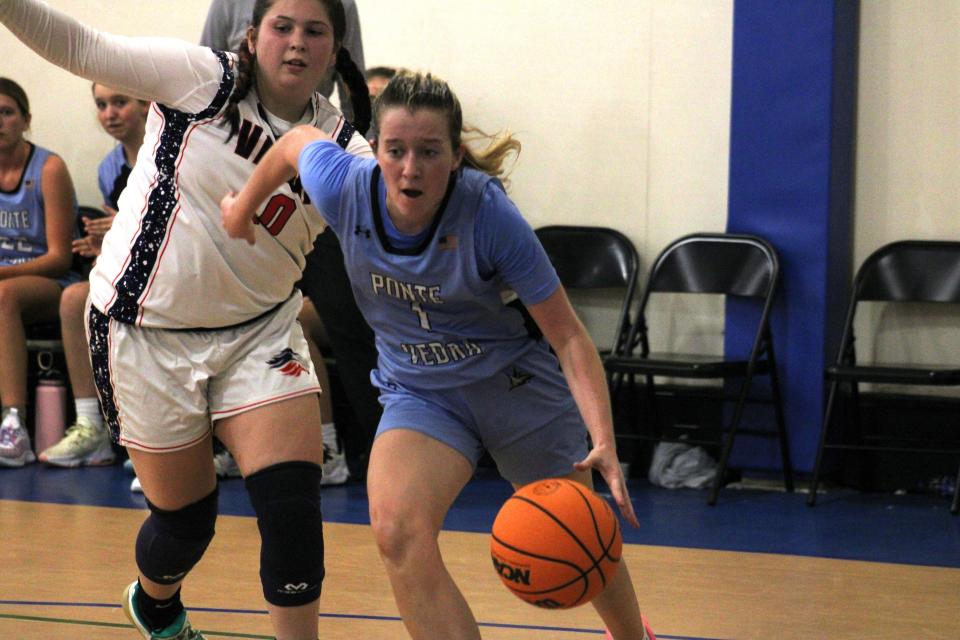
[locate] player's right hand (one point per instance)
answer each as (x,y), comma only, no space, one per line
(238,223)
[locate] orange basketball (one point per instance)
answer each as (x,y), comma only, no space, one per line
(555,543)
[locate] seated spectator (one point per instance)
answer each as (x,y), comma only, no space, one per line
(335,469)
(37,221)
(377,79)
(87,441)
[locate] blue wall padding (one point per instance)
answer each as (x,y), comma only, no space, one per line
(791,181)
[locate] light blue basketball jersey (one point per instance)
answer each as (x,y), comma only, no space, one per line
(108,171)
(23,229)
(438,322)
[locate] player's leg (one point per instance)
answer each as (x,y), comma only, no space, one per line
(279,451)
(87,441)
(173,482)
(157,408)
(412,480)
(22,299)
(266,411)
(617,604)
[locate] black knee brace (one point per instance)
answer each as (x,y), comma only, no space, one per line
(286,499)
(171,542)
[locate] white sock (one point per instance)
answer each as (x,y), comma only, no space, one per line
(330,437)
(89,408)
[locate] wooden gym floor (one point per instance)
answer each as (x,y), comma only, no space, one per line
(758,565)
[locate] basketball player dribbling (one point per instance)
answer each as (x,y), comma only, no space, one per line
(433,246)
(190,332)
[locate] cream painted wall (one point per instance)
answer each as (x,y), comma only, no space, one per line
(622,105)
(908,158)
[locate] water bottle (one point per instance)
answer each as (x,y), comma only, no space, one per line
(51,412)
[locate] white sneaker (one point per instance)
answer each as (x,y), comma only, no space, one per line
(334,467)
(135,486)
(83,444)
(225,465)
(179,629)
(15,448)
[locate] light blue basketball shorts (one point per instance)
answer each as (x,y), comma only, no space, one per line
(524,416)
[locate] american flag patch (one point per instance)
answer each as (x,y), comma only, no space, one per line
(448,242)
(289,363)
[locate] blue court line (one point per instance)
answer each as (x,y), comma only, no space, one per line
(115,625)
(346,616)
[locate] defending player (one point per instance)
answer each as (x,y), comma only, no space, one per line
(190,332)
(433,245)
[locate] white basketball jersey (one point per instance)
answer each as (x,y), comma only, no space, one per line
(167,261)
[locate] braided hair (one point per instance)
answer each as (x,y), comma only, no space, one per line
(345,66)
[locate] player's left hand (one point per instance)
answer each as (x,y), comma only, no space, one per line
(604,459)
(98,227)
(238,223)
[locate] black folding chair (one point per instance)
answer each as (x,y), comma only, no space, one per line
(904,272)
(588,258)
(717,264)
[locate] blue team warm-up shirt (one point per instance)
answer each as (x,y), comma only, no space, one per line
(434,301)
(23,229)
(112,175)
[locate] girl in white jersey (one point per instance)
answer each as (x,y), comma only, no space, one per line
(189,333)
(432,244)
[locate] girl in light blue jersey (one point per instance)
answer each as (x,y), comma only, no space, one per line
(459,293)
(37,218)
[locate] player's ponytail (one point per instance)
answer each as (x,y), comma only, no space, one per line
(357,85)
(245,80)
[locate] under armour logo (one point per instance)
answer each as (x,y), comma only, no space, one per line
(518,378)
(361,231)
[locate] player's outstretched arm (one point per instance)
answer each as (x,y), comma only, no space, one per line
(277,166)
(164,70)
(585,376)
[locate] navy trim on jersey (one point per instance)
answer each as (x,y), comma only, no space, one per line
(162,200)
(98,326)
(345,134)
(378,220)
(26,165)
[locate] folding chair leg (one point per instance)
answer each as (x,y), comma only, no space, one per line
(828,415)
(722,465)
(728,444)
(781,424)
(651,392)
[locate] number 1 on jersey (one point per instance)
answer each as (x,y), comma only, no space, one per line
(424,320)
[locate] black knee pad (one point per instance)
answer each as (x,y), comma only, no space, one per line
(286,499)
(170,543)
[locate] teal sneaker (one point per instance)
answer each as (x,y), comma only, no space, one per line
(179,630)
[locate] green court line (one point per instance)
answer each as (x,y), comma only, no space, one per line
(116,625)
